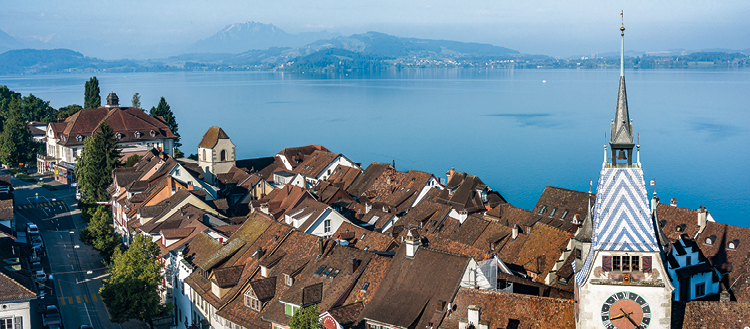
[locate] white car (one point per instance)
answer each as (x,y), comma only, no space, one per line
(31,229)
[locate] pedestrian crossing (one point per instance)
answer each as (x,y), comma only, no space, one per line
(41,205)
(70,300)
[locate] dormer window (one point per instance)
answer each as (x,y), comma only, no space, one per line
(732,245)
(153,133)
(288,280)
(263,271)
(137,134)
(79,138)
(251,301)
(680,228)
(710,240)
(541,211)
(119,136)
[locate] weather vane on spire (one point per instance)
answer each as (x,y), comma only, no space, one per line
(622,46)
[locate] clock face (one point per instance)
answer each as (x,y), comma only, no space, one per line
(626,310)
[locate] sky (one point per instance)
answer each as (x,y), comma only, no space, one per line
(555,28)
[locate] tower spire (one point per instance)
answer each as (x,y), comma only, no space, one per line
(622,46)
(621,137)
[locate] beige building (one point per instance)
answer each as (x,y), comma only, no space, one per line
(215,154)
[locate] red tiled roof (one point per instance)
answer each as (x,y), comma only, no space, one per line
(501,309)
(212,136)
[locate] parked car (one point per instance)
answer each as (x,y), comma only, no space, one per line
(31,229)
(85,326)
(52,318)
(36,241)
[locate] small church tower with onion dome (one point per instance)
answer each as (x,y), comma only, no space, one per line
(620,279)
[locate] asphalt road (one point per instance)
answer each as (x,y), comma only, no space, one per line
(76,269)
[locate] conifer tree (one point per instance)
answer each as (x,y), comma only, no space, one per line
(97,160)
(136,101)
(165,111)
(16,144)
(91,98)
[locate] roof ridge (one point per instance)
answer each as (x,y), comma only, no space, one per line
(499,292)
(18,284)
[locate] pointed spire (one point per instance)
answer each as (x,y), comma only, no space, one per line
(621,137)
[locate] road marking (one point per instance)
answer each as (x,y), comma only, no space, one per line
(62,301)
(60,287)
(70,300)
(93,298)
(78,299)
(86,299)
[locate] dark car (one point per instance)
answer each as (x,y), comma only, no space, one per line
(85,326)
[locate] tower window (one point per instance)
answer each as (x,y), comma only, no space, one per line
(626,263)
(223,155)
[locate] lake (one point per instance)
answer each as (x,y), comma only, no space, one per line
(518,130)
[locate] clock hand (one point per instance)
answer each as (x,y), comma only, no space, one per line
(629,318)
(619,316)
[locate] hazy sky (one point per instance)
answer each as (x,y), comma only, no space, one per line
(558,28)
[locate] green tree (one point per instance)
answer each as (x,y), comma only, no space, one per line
(132,160)
(137,100)
(97,160)
(66,111)
(36,109)
(91,98)
(306,318)
(163,110)
(132,290)
(16,144)
(100,233)
(6,95)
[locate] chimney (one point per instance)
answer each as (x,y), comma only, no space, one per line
(368,207)
(353,264)
(112,101)
(450,174)
(514,234)
(190,186)
(673,202)
(702,218)
(724,296)
(259,253)
(474,314)
(412,244)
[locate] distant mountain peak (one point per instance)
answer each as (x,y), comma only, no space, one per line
(241,37)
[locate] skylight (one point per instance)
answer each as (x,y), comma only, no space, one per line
(320,270)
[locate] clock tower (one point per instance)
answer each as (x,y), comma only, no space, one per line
(620,277)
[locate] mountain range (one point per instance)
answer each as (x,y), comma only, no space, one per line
(242,37)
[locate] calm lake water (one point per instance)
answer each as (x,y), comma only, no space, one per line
(518,130)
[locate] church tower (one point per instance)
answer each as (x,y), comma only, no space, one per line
(215,154)
(621,281)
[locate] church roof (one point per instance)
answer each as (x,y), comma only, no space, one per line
(212,136)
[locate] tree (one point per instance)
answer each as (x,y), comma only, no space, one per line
(16,144)
(137,100)
(91,98)
(100,233)
(36,109)
(132,160)
(66,111)
(163,110)
(6,95)
(132,290)
(97,160)
(306,318)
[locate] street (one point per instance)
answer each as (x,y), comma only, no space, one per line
(75,269)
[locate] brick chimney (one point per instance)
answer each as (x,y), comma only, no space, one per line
(450,174)
(673,202)
(702,218)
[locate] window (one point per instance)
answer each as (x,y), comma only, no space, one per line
(223,155)
(541,211)
(365,286)
(288,279)
(687,261)
(732,245)
(700,289)
(251,300)
(554,210)
(204,155)
(119,136)
(565,213)
(79,138)
(626,263)
(153,133)
(137,134)
(6,323)
(327,226)
(290,309)
(320,270)
(579,254)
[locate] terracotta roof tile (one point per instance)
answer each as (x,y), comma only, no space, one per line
(228,276)
(716,315)
(502,309)
(212,136)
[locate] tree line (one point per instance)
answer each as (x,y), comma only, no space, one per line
(16,144)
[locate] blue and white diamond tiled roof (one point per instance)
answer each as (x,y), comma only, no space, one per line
(622,218)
